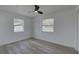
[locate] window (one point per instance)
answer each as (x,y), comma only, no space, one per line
(18,25)
(48,25)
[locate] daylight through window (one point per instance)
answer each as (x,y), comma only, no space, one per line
(18,25)
(48,25)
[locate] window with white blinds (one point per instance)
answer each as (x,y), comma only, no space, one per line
(18,25)
(48,25)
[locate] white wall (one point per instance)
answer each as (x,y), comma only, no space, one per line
(6,28)
(65,31)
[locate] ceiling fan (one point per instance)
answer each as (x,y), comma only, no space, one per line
(36,10)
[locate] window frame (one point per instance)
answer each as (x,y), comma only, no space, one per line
(17,25)
(52,25)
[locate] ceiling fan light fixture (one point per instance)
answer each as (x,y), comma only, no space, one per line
(35,11)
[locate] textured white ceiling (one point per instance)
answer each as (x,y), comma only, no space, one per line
(27,10)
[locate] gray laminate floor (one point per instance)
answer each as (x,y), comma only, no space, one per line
(35,46)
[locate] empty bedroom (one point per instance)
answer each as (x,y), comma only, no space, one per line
(39,29)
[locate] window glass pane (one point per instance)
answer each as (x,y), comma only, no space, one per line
(48,25)
(18,21)
(47,28)
(18,28)
(48,22)
(18,25)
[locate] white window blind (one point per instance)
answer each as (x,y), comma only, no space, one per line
(48,25)
(18,25)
